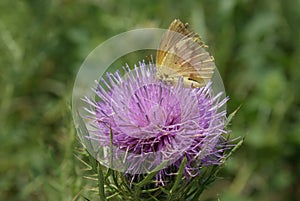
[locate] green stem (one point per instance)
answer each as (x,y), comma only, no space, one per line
(101,184)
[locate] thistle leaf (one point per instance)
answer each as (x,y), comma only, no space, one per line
(230,117)
(150,175)
(179,175)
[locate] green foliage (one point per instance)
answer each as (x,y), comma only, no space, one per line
(117,186)
(256,46)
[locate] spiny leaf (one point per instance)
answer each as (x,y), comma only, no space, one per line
(179,175)
(238,145)
(230,117)
(113,195)
(150,175)
(83,162)
(165,190)
(108,173)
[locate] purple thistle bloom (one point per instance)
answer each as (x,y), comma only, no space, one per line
(140,121)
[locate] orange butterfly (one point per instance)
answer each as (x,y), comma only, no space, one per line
(182,53)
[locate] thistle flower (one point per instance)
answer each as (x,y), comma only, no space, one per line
(139,122)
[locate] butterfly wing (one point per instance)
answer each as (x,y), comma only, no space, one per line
(182,53)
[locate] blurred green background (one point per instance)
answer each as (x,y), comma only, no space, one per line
(256,45)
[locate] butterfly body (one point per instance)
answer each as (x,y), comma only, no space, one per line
(181,53)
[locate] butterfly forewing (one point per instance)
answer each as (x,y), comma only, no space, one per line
(182,53)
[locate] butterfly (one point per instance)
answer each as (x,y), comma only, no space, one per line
(182,53)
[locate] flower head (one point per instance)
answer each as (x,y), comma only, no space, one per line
(139,122)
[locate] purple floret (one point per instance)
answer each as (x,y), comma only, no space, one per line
(148,121)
